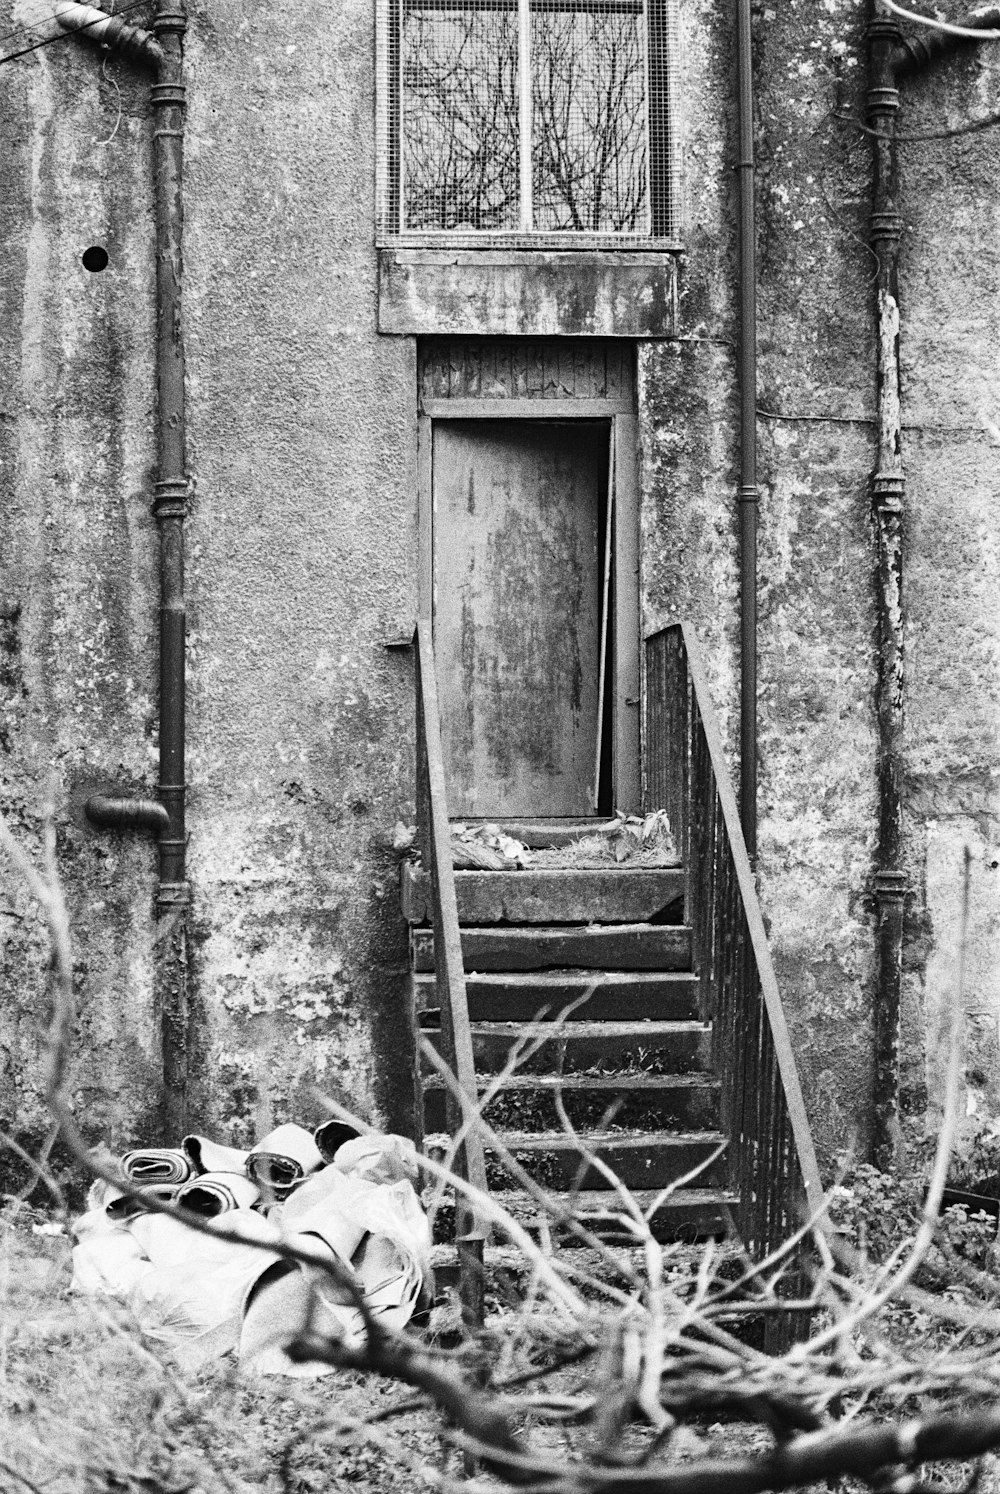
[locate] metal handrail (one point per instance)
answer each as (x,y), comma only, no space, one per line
(771,1153)
(449,970)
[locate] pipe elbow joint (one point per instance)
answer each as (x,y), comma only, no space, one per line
(110,31)
(112,813)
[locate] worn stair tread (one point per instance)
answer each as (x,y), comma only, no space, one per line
(663,1047)
(548,1141)
(639,1159)
(624,946)
(594,1202)
(544,994)
(443,1253)
(550,895)
(571,1082)
(651,1028)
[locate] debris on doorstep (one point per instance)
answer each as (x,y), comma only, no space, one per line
(487,848)
(625,840)
(334,1195)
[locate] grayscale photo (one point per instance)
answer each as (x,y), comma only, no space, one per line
(499,746)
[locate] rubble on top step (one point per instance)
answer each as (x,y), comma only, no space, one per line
(625,840)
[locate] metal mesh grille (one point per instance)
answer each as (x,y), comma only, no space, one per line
(527,121)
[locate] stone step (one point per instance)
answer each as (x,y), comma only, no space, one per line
(508,1269)
(599,1047)
(644,1160)
(618,895)
(686,1214)
(645,1102)
(622,995)
(629,946)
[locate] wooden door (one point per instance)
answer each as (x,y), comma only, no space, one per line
(518,509)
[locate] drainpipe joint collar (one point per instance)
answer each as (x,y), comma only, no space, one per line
(890,886)
(884,27)
(883,99)
(170,498)
(888,492)
(886,224)
(167,95)
(173,895)
(170,20)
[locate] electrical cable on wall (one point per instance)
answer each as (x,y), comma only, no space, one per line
(971,33)
(969,128)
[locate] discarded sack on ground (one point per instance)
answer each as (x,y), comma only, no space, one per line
(331,1194)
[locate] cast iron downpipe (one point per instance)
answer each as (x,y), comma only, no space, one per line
(749,497)
(891,58)
(888,489)
(164,52)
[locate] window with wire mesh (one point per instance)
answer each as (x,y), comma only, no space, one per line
(523,121)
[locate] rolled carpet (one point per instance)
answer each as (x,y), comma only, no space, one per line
(206,1155)
(125,1207)
(156,1164)
(280,1162)
(216,1193)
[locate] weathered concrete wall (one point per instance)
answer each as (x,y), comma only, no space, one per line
(950,310)
(301,546)
(302,551)
(817,763)
(816,378)
(77,570)
(303,564)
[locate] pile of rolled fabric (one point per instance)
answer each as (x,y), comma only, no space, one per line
(332,1195)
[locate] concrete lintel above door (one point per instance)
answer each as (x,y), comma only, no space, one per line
(516,293)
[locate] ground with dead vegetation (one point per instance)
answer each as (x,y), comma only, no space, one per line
(85,1404)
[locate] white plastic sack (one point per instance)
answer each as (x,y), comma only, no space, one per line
(380,1158)
(193,1297)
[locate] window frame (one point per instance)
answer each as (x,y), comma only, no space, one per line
(662,139)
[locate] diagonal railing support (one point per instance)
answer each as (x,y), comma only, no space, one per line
(449,970)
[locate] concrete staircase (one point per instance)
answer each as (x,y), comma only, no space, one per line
(628,1065)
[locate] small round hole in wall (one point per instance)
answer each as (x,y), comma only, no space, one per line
(95,258)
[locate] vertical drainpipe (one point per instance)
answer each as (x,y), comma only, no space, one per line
(749,497)
(888,488)
(173,894)
(164,52)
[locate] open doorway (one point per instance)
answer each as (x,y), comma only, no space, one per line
(534,605)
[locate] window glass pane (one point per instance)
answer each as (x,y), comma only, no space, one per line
(588,149)
(458,87)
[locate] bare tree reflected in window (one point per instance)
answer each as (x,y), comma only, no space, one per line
(460,93)
(459,107)
(588,157)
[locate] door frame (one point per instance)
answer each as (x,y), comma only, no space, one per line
(620,413)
